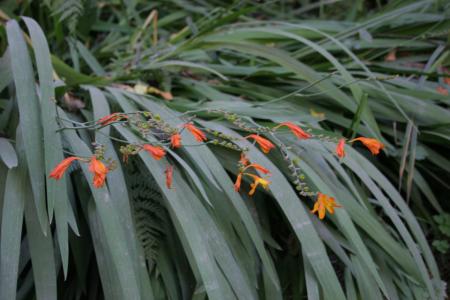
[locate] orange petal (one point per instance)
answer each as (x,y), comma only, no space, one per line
(340,148)
(265,144)
(99,170)
(175,140)
(61,168)
(373,145)
(296,130)
(197,133)
(237,184)
(156,152)
(169,176)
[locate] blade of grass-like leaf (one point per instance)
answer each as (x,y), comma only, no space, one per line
(7,153)
(42,255)
(298,218)
(30,117)
(90,59)
(366,172)
(356,90)
(119,194)
(108,215)
(179,63)
(411,163)
(5,70)
(406,141)
(182,211)
(72,77)
(11,231)
(40,245)
(284,59)
(56,191)
(312,286)
(345,223)
(219,175)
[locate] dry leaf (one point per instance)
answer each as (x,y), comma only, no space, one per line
(73,103)
(392,55)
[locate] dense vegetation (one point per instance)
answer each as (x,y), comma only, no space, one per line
(116,80)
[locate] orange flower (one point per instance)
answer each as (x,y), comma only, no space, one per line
(257,167)
(244,160)
(197,133)
(156,152)
(169,176)
(265,144)
(324,203)
(257,181)
(111,118)
(237,184)
(442,90)
(340,148)
(297,131)
(175,140)
(59,170)
(99,170)
(374,145)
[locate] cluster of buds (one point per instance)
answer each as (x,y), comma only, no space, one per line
(148,123)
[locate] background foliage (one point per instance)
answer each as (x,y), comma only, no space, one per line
(341,68)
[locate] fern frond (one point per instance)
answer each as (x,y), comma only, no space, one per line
(149,214)
(69,11)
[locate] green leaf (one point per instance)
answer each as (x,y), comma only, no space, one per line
(57,197)
(11,231)
(108,217)
(7,153)
(29,115)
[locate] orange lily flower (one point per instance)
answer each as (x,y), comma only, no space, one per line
(99,170)
(297,131)
(169,176)
(156,152)
(257,181)
(265,144)
(237,184)
(175,140)
(373,145)
(111,118)
(340,148)
(197,133)
(324,203)
(257,167)
(58,172)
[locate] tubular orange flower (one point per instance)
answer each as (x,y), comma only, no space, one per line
(373,145)
(197,133)
(156,152)
(175,140)
(169,176)
(297,131)
(265,144)
(99,170)
(111,118)
(257,181)
(324,203)
(257,167)
(237,184)
(340,148)
(58,172)
(243,160)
